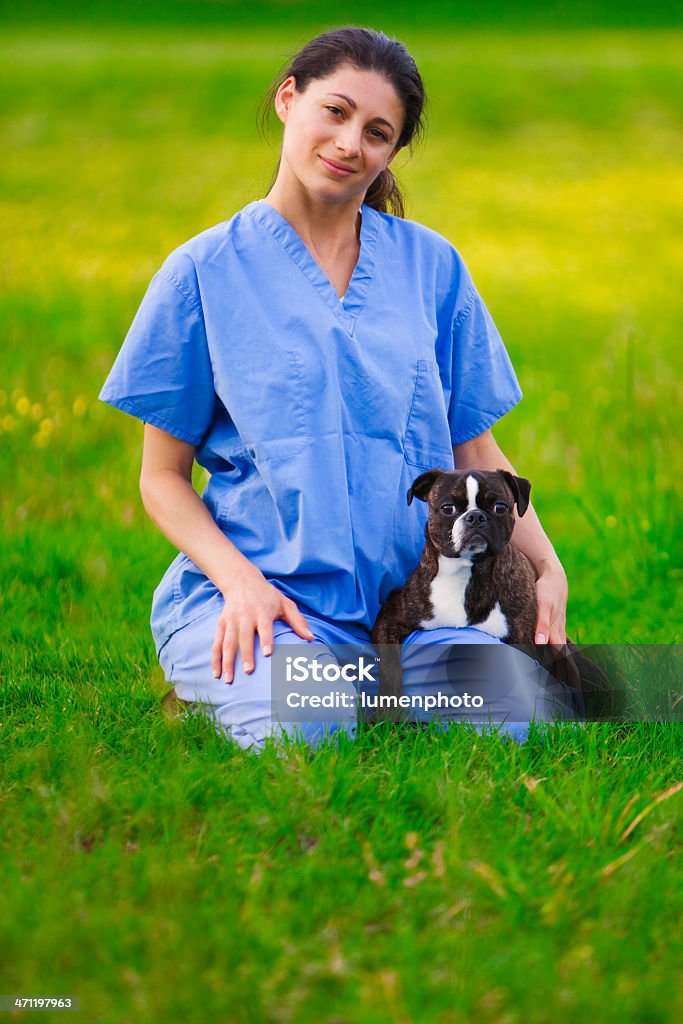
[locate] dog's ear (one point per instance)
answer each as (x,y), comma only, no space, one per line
(521,489)
(423,485)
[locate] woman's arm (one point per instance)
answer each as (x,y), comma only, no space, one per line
(551,587)
(251,603)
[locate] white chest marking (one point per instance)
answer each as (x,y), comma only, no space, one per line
(448,600)
(496,624)
(448,593)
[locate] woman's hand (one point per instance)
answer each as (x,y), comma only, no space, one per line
(251,606)
(551,595)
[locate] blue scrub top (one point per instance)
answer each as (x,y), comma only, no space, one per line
(312,415)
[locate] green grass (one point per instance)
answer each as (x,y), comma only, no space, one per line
(154,870)
(159,873)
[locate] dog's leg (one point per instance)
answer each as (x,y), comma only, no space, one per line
(596,686)
(387,643)
(571,666)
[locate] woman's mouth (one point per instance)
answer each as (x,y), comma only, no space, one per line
(343,172)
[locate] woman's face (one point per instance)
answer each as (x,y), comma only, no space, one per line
(340,132)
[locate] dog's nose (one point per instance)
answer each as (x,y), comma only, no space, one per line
(475,518)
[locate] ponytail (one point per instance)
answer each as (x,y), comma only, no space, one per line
(385,194)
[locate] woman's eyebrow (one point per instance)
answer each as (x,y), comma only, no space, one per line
(352,104)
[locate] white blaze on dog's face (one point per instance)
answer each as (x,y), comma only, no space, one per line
(473,547)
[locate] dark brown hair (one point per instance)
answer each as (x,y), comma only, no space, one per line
(366,50)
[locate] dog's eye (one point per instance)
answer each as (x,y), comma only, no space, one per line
(500,508)
(448,510)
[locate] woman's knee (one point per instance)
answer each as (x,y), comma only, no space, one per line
(481,678)
(251,729)
(252,708)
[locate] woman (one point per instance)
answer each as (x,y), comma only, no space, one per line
(314,354)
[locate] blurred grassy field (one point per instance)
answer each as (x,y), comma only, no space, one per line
(299,15)
(157,872)
(553,164)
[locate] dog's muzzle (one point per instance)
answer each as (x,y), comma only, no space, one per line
(471,533)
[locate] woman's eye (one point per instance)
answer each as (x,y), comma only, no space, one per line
(500,508)
(448,510)
(335,110)
(377,134)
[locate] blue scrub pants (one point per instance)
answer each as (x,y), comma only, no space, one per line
(515,689)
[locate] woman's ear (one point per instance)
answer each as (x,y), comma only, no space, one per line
(284,97)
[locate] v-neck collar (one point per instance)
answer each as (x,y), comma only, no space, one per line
(347,312)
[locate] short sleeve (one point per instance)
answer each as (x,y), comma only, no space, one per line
(163,373)
(484,385)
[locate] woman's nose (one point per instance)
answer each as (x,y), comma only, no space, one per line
(348,140)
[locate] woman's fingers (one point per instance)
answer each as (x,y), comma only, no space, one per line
(217,650)
(293,616)
(265,635)
(228,655)
(223,650)
(551,593)
(549,624)
(246,646)
(557,630)
(236,629)
(551,632)
(240,639)
(542,634)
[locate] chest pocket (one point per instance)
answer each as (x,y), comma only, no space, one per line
(427,442)
(270,407)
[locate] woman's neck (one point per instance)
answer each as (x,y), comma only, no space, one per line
(329,230)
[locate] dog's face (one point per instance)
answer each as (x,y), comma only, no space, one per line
(471,511)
